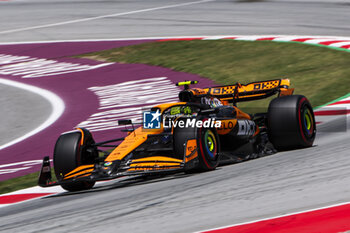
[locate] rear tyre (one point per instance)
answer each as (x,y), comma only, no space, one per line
(291,122)
(207,146)
(73,149)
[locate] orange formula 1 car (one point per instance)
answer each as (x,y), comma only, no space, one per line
(196,134)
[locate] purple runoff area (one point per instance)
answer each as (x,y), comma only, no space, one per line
(72,88)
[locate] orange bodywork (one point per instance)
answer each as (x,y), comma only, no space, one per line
(136,138)
(139,136)
(82,136)
(257,86)
(154,163)
(131,142)
(242,115)
(255,90)
(79,171)
(228,95)
(226,126)
(191,150)
(285,92)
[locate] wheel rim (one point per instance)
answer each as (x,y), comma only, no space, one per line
(308,122)
(210,144)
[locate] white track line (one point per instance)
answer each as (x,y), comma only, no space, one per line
(55,101)
(278,38)
(105,16)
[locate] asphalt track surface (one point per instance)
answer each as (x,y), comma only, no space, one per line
(33,20)
(20,111)
(274,185)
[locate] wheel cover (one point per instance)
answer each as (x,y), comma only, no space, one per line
(210,144)
(308,122)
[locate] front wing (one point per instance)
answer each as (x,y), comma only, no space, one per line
(108,171)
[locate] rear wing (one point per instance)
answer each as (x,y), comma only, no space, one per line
(240,92)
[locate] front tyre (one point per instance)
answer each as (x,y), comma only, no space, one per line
(73,149)
(291,122)
(208,154)
(207,143)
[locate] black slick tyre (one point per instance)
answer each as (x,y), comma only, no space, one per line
(207,146)
(208,149)
(72,150)
(291,122)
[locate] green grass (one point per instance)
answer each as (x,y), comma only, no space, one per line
(319,73)
(19,183)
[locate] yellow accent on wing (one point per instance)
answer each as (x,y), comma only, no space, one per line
(186,83)
(285,82)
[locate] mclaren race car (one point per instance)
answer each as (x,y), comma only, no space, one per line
(198,133)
